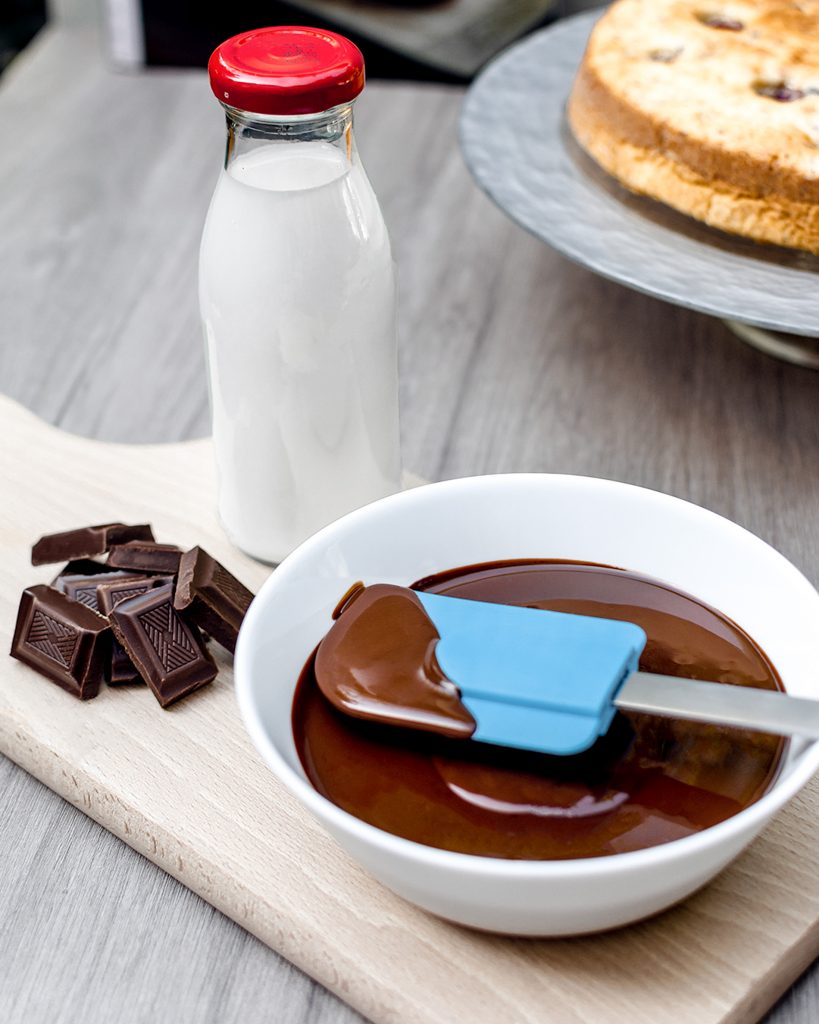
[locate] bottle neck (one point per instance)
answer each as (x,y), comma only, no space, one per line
(248,132)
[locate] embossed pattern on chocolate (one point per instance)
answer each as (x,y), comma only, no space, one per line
(84,588)
(168,652)
(230,586)
(54,639)
(109,595)
(62,639)
(211,596)
(128,591)
(167,636)
(84,594)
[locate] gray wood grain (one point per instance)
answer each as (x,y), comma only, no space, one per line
(512,359)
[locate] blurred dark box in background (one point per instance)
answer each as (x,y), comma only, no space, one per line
(20,20)
(438,40)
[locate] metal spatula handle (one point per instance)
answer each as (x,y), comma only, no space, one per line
(740,706)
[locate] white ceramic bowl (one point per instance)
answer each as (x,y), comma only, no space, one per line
(481,519)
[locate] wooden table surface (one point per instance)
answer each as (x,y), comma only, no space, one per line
(512,359)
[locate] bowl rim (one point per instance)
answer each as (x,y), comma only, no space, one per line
(751,818)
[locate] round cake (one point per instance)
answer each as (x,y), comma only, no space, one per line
(712,108)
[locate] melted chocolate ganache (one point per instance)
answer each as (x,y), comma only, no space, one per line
(648,781)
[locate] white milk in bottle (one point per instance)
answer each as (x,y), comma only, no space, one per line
(297,296)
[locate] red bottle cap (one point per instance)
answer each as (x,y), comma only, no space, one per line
(286,69)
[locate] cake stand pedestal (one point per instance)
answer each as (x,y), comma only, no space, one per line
(791,348)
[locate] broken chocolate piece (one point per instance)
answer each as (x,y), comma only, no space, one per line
(110,593)
(211,596)
(167,651)
(80,567)
(146,557)
(83,588)
(62,639)
(86,541)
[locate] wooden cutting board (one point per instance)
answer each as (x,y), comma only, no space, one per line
(186,788)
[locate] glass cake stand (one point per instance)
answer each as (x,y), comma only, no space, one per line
(518,147)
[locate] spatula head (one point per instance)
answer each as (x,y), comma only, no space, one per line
(533,679)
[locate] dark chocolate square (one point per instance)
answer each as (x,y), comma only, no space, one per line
(167,650)
(211,596)
(111,592)
(62,639)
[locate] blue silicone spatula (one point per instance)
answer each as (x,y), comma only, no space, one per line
(552,682)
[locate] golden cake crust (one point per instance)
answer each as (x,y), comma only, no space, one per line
(712,108)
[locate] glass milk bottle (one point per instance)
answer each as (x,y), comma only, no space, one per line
(297,295)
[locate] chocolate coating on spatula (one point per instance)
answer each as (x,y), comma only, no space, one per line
(378,662)
(211,596)
(167,651)
(63,640)
(140,556)
(86,541)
